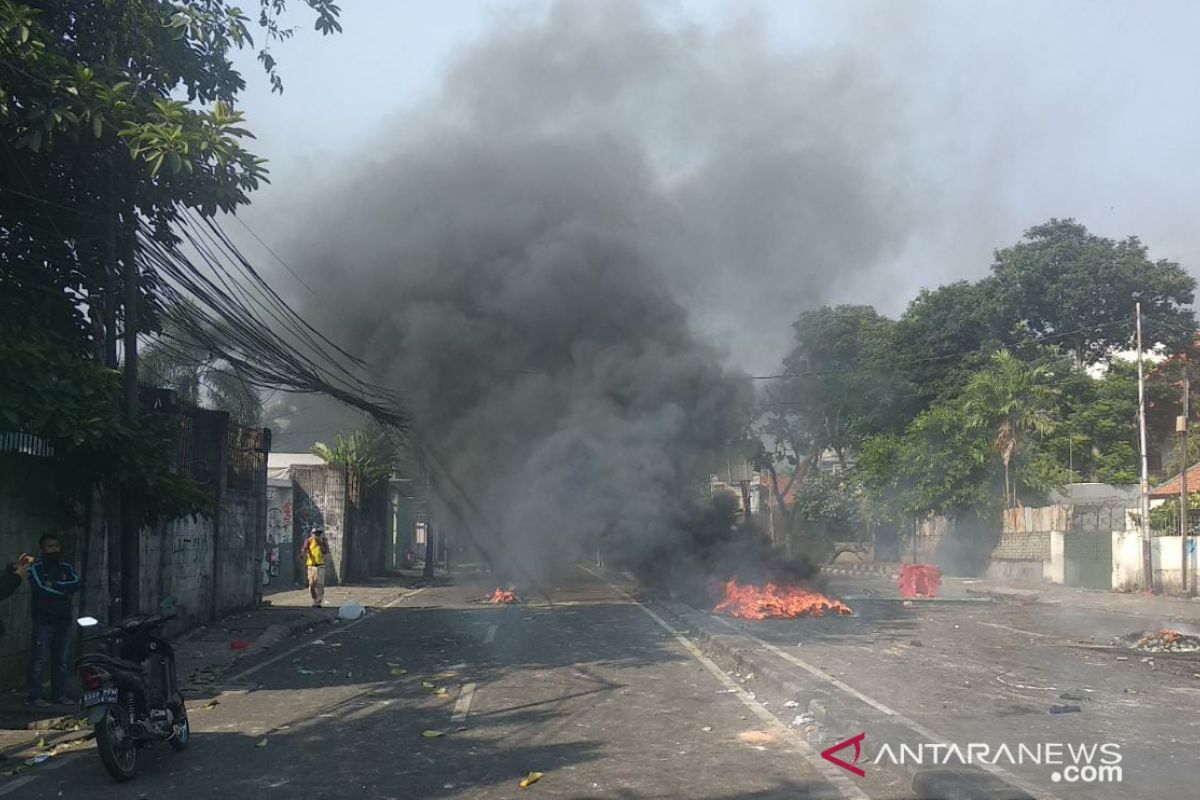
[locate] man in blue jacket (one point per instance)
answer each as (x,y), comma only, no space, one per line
(53,581)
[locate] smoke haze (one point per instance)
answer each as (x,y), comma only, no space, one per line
(557,256)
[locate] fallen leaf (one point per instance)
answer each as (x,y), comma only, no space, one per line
(41,745)
(398,672)
(531,779)
(427,684)
(440,690)
(433,734)
(212,704)
(261,743)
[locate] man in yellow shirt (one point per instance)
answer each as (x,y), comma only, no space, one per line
(315,550)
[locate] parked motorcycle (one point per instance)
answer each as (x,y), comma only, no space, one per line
(131,695)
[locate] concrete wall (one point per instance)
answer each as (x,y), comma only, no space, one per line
(357,520)
(1126,561)
(1166,557)
(319,499)
(210,566)
(279,530)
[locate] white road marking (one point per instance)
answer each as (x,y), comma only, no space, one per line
(463,705)
(846,787)
(491,634)
(911,724)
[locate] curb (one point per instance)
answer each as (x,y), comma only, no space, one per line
(837,716)
(884,571)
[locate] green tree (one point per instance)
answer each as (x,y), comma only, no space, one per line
(117,118)
(1016,402)
(938,465)
(369,452)
(1079,288)
(946,334)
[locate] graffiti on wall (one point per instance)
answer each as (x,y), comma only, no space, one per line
(279,529)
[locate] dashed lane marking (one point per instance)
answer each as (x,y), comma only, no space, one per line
(463,705)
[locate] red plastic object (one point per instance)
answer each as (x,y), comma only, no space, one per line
(238,644)
(920,580)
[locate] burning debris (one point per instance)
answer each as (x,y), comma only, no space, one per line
(503,597)
(775,602)
(1168,641)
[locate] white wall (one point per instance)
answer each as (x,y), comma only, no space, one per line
(1054,570)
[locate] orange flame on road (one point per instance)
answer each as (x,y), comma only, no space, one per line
(502,597)
(755,602)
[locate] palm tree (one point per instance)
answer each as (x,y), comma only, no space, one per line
(371,453)
(177,361)
(1016,401)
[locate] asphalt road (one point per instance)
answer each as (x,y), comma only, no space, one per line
(989,673)
(593,692)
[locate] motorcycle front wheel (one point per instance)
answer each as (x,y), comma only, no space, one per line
(118,750)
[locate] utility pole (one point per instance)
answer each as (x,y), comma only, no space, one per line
(1147,565)
(131,527)
(1184,522)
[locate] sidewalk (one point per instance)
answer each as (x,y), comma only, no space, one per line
(205,657)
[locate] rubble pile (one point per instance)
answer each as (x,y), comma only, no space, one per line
(1168,641)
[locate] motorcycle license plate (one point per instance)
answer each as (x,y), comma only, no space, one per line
(99,697)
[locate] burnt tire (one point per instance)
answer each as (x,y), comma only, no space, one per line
(118,750)
(183,731)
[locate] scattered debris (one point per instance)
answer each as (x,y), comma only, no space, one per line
(433,734)
(791,704)
(350,610)
(1168,641)
(757,737)
(441,690)
(318,642)
(261,742)
(1072,694)
(40,758)
(803,719)
(428,685)
(503,597)
(775,601)
(303,671)
(531,779)
(239,645)
(1064,708)
(917,643)
(1000,679)
(707,729)
(212,704)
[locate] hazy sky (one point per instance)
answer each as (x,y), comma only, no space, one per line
(968,122)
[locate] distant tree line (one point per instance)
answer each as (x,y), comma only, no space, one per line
(981,395)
